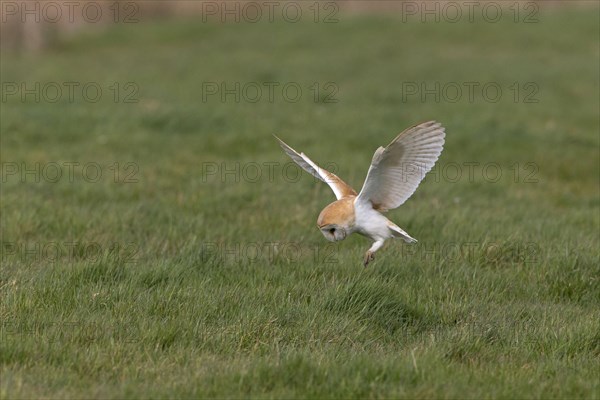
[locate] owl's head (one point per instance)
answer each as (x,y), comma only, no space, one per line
(337,219)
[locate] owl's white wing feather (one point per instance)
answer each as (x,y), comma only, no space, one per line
(397,170)
(339,187)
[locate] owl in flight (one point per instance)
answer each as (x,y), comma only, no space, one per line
(394,175)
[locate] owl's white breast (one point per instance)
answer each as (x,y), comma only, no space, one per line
(370,222)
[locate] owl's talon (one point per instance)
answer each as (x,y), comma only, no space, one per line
(369,256)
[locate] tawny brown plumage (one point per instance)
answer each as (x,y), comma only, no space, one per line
(395,173)
(340,210)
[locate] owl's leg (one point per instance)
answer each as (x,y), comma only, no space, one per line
(370,254)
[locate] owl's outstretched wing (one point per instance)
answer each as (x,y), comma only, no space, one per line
(397,170)
(339,187)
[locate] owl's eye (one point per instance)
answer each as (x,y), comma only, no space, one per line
(332,231)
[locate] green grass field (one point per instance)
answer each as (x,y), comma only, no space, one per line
(192,267)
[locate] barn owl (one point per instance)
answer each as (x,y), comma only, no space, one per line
(395,173)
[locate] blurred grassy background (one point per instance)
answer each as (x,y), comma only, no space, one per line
(510,311)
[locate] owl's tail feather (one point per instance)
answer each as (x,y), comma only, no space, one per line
(398,232)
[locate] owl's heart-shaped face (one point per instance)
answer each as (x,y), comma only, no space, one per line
(336,220)
(333,233)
